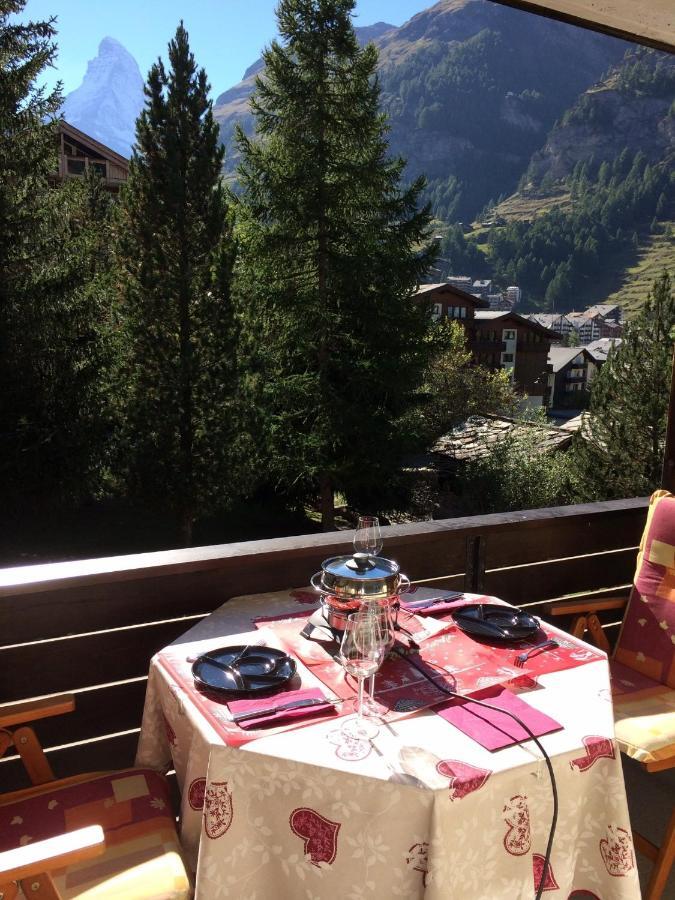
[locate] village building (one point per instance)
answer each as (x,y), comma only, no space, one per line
(508,341)
(463,282)
(557,322)
(600,348)
(80,153)
(572,369)
(483,287)
(610,312)
(497,339)
(587,326)
(513,294)
(449,302)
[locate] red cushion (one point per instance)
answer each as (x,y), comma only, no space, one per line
(647,640)
(113,801)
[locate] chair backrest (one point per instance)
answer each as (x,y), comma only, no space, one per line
(647,640)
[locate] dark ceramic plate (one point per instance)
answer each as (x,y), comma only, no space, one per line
(494,622)
(256,670)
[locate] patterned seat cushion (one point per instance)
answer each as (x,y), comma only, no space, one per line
(644,715)
(647,640)
(142,856)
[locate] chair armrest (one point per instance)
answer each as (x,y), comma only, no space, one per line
(588,605)
(30,710)
(52,853)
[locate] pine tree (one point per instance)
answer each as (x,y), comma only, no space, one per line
(176,252)
(30,320)
(331,252)
(619,452)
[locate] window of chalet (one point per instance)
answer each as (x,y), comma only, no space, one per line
(76,166)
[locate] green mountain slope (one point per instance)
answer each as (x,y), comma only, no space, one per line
(472,89)
(592,220)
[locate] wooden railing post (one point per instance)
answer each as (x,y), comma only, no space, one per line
(474,573)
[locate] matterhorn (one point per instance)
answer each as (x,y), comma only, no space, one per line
(110,98)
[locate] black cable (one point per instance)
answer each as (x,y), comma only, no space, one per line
(554,788)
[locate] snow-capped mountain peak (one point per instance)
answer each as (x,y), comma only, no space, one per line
(110,98)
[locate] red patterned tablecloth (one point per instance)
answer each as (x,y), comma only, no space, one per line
(422,811)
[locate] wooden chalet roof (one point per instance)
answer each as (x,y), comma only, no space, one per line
(443,287)
(559,357)
(649,22)
(477,436)
(88,141)
(516,319)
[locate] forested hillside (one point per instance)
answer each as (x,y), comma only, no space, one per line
(599,196)
(472,89)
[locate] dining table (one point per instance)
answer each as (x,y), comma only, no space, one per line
(445,802)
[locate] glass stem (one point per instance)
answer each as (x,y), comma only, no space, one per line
(371,689)
(359,703)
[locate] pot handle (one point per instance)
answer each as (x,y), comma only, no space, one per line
(403,584)
(317,587)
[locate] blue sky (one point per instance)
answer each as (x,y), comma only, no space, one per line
(226,35)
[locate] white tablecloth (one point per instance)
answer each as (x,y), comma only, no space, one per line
(424,812)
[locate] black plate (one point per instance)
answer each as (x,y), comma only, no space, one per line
(494,622)
(260,668)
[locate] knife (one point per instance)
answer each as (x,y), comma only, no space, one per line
(423,604)
(294,704)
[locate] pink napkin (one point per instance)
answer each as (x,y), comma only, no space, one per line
(409,604)
(494,730)
(237,707)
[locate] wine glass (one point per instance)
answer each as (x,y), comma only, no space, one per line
(368,537)
(385,622)
(361,654)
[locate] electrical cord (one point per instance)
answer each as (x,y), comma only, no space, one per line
(554,788)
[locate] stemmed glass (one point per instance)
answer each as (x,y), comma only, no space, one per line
(361,653)
(368,537)
(383,613)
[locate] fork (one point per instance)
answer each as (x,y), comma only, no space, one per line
(522,658)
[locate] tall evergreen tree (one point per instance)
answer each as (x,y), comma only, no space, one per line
(619,452)
(176,252)
(49,340)
(331,250)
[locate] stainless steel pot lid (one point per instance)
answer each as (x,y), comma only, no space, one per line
(359,576)
(360,567)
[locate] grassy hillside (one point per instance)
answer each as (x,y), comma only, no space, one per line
(626,278)
(656,254)
(520,207)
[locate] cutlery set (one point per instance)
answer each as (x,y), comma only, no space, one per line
(283,707)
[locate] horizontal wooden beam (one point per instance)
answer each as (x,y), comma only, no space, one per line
(648,22)
(52,576)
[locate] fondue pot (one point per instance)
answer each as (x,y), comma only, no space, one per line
(345,583)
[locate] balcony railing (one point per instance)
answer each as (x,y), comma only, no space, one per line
(92,626)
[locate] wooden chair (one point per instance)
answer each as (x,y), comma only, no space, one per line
(643,664)
(103,834)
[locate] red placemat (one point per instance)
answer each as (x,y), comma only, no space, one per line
(176,661)
(451,657)
(492,728)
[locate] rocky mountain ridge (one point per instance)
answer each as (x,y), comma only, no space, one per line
(632,108)
(472,89)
